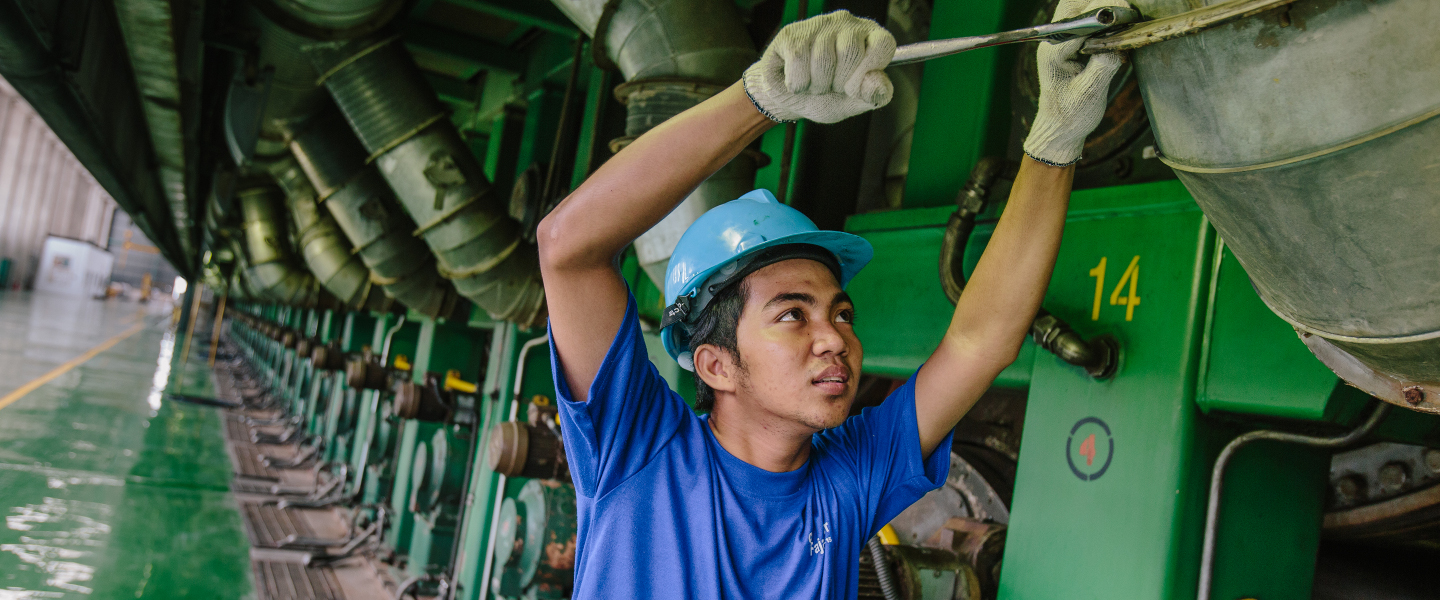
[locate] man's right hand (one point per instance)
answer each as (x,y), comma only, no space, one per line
(826,69)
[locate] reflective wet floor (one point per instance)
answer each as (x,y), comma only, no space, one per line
(108,489)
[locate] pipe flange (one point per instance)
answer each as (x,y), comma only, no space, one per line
(414,401)
(509,445)
(327,358)
(1414,395)
(363,375)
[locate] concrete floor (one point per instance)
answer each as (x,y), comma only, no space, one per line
(108,489)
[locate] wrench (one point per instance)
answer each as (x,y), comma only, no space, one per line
(1100,20)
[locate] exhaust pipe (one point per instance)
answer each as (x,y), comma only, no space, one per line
(418,151)
(674,54)
(364,208)
(324,249)
(272,270)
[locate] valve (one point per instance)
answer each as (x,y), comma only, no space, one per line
(453,382)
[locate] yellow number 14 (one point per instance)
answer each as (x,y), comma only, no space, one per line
(1131,276)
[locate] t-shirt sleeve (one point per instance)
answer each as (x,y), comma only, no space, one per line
(881,447)
(630,415)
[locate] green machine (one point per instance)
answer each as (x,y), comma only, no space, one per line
(1088,471)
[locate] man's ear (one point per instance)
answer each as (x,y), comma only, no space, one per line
(715,367)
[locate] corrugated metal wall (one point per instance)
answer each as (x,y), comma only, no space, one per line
(136,255)
(43,191)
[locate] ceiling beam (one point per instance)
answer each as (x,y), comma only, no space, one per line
(534,13)
(486,55)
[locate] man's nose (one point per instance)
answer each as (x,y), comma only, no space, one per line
(828,340)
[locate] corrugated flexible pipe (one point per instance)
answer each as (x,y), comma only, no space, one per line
(273,270)
(365,209)
(285,27)
(323,247)
(418,151)
(674,54)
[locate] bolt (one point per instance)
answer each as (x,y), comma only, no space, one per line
(1349,490)
(1414,395)
(1392,478)
(1432,460)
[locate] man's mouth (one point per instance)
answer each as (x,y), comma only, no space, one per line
(833,380)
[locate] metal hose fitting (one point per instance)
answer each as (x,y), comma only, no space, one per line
(438,181)
(1099,357)
(365,209)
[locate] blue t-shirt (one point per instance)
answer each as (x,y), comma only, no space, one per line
(666,512)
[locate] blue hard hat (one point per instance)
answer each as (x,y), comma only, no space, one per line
(722,242)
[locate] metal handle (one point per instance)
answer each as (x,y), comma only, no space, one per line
(1100,20)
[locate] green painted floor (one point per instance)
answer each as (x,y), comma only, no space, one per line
(109,490)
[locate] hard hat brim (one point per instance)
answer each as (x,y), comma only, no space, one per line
(851,251)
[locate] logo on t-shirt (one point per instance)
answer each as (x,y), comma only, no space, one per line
(817,545)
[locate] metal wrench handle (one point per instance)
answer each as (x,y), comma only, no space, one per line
(1096,21)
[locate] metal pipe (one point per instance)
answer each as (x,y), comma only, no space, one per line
(365,209)
(324,249)
(437,179)
(1217,478)
(674,54)
(390,335)
(219,323)
(1343,173)
(500,483)
(190,330)
(271,266)
(1099,357)
(405,587)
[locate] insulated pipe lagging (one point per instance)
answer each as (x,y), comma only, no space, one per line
(365,209)
(646,39)
(436,178)
(272,269)
(322,246)
(284,28)
(674,54)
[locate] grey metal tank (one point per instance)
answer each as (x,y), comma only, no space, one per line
(1308,135)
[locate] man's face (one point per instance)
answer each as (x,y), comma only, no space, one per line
(800,356)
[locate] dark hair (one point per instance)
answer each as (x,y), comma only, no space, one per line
(716,326)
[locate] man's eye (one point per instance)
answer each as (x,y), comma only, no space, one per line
(793,314)
(846,316)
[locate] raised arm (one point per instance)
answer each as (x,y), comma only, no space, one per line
(1001,298)
(630,193)
(825,69)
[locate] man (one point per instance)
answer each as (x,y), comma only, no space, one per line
(774,492)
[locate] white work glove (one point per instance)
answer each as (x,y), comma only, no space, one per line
(826,68)
(1073,92)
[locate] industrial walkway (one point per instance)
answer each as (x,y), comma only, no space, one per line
(110,490)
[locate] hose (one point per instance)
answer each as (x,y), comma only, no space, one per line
(882,569)
(405,587)
(1098,357)
(1217,479)
(389,335)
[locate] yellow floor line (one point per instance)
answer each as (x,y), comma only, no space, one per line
(74,362)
